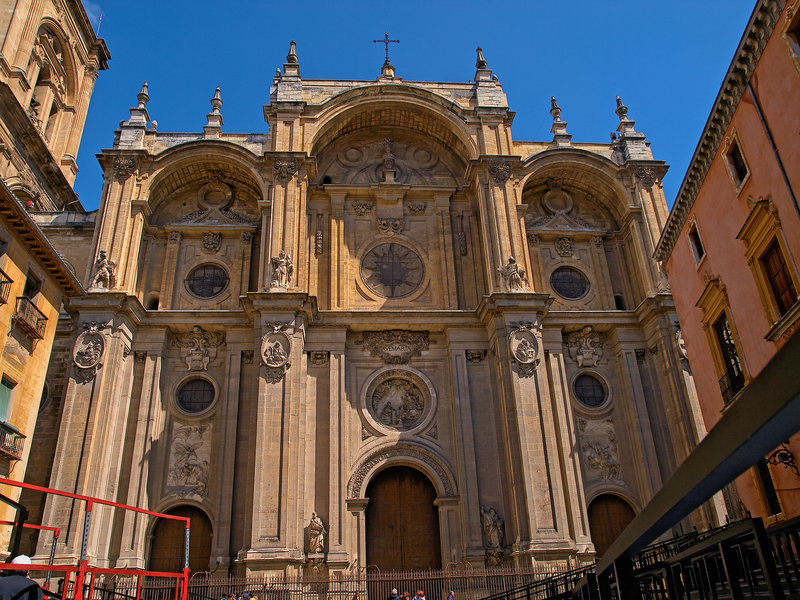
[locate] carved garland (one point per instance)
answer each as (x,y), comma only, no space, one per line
(356,488)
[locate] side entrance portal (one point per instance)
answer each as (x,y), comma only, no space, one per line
(402,522)
(166,552)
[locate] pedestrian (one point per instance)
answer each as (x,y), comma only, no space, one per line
(16,585)
(393,595)
(406,596)
(421,595)
(451,595)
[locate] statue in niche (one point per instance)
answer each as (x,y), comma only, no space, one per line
(316,534)
(104,276)
(514,276)
(494,528)
(282,269)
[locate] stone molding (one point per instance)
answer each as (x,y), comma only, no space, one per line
(394,346)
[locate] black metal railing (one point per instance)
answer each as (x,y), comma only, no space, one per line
(12,442)
(29,318)
(730,384)
(5,287)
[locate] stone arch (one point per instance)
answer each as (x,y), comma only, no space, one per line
(419,457)
(609,513)
(394,105)
(166,547)
(578,171)
(70,72)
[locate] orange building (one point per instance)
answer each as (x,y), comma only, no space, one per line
(731,245)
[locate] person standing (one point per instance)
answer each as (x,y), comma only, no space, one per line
(16,585)
(393,595)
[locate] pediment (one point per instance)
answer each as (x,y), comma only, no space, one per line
(216,217)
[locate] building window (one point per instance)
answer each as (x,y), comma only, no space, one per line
(33,286)
(619,302)
(778,276)
(569,283)
(773,270)
(589,390)
(695,243)
(207,281)
(196,395)
(6,387)
(732,380)
(736,164)
(792,38)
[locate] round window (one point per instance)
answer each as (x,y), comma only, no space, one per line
(196,395)
(589,390)
(569,283)
(207,281)
(392,270)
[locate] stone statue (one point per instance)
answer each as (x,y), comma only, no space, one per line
(282,269)
(513,275)
(104,273)
(316,534)
(494,528)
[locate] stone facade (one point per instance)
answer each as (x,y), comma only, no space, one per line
(384,278)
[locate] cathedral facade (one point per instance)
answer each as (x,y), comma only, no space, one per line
(383,332)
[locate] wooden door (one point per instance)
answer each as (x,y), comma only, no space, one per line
(608,516)
(166,551)
(402,523)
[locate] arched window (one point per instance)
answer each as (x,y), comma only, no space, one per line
(48,69)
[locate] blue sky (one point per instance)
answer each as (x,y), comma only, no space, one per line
(665,59)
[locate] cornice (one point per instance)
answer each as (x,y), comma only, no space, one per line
(754,39)
(37,243)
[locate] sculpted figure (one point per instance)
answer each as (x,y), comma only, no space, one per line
(316,534)
(282,269)
(513,275)
(275,355)
(494,528)
(104,272)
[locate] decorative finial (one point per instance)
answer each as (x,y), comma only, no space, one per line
(480,63)
(143,96)
(555,110)
(216,101)
(291,58)
(277,72)
(622,110)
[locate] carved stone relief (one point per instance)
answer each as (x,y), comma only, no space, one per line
(211,242)
(284,169)
(319,358)
(585,346)
(500,172)
(397,403)
(416,208)
(362,207)
(87,353)
(123,167)
(385,161)
(189,461)
(475,356)
(679,342)
(275,349)
(599,448)
(524,348)
(494,528)
(557,210)
(395,346)
(390,226)
(198,347)
(565,246)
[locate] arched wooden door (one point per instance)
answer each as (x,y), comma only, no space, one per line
(402,522)
(166,551)
(609,515)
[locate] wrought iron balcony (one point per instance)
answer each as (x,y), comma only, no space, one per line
(731,384)
(29,318)
(12,442)
(5,287)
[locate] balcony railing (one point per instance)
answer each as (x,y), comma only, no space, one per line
(29,318)
(12,442)
(731,384)
(5,287)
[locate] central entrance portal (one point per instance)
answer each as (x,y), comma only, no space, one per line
(402,523)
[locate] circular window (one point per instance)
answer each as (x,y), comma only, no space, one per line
(207,281)
(392,270)
(589,390)
(569,283)
(196,395)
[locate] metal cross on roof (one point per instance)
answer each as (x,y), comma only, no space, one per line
(386,41)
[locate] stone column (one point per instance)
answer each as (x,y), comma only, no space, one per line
(357,507)
(449,529)
(338,249)
(149,427)
(443,224)
(339,449)
(168,282)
